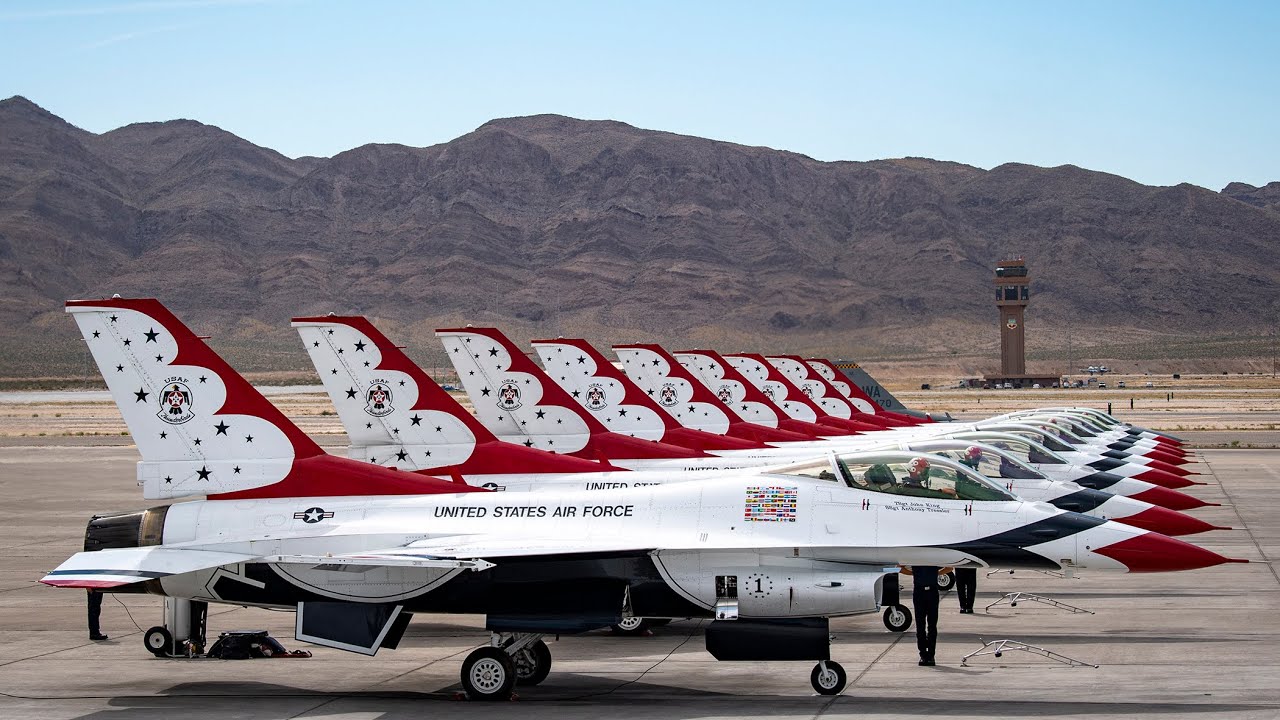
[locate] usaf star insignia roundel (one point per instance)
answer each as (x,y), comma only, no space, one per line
(175,402)
(312,515)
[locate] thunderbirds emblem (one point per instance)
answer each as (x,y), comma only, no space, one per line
(769,392)
(175,403)
(807,390)
(377,400)
(509,396)
(725,393)
(667,395)
(595,397)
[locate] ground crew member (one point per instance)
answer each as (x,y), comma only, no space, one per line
(967,577)
(95,612)
(924,599)
(966,588)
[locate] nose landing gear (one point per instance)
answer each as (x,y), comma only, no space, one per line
(828,677)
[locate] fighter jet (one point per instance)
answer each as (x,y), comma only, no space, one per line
(354,548)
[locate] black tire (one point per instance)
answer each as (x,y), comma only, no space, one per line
(488,674)
(897,618)
(533,663)
(828,680)
(946,582)
(631,627)
(158,641)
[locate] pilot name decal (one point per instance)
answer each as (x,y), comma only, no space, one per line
(175,401)
(916,506)
(767,503)
(377,399)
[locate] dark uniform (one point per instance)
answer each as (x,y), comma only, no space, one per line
(924,598)
(966,588)
(94,600)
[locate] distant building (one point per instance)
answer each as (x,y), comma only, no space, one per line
(1013,293)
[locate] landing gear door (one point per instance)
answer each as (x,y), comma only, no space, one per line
(354,627)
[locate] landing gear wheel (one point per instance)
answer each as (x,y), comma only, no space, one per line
(158,641)
(946,581)
(897,618)
(488,674)
(828,678)
(533,662)
(631,626)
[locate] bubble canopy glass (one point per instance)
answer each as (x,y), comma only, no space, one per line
(888,473)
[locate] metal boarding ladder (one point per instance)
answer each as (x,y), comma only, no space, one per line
(1014,598)
(997,648)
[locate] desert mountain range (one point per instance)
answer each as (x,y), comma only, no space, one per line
(547,225)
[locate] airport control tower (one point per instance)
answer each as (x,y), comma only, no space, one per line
(1011,297)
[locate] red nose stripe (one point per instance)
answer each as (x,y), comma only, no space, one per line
(1171,499)
(1163,479)
(1169,522)
(1165,458)
(1153,552)
(1166,467)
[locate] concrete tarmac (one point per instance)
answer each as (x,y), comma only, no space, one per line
(1203,644)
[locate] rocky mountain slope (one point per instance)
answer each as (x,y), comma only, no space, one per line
(548,225)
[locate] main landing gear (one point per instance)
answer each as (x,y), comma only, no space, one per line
(491,673)
(183,632)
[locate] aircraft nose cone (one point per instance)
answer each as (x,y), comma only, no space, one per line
(1171,499)
(1165,458)
(1169,522)
(1167,467)
(1164,479)
(1153,552)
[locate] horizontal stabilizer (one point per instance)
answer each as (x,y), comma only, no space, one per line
(123,566)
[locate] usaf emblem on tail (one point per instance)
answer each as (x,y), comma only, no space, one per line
(667,395)
(509,396)
(175,402)
(595,398)
(377,400)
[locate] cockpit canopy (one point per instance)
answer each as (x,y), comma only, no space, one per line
(1028,451)
(888,473)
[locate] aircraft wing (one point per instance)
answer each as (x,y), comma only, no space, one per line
(122,566)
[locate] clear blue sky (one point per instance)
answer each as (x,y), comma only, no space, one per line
(1161,92)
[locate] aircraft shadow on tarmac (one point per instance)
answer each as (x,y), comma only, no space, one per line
(573,696)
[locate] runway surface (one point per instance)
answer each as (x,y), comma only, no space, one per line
(1203,644)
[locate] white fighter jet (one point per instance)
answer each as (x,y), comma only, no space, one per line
(416,426)
(354,548)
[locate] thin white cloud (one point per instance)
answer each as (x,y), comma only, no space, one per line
(128,8)
(126,37)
